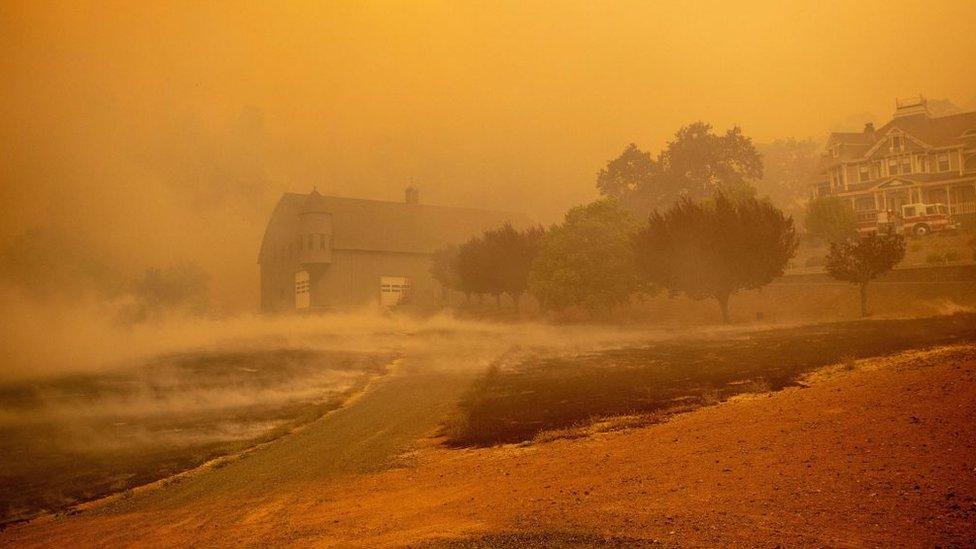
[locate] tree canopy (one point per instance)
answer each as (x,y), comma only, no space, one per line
(587,261)
(830,219)
(444,268)
(788,167)
(625,174)
(511,253)
(717,248)
(496,263)
(859,261)
(695,164)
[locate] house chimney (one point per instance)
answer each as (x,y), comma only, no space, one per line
(869,130)
(412,195)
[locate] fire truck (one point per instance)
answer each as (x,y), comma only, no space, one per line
(917,219)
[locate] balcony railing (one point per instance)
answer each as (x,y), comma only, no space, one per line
(962,207)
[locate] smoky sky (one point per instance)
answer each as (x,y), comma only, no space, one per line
(164,132)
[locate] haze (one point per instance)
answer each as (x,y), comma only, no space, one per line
(165,133)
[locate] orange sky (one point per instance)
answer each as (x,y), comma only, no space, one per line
(112,112)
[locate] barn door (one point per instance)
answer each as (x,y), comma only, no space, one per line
(303,297)
(393,290)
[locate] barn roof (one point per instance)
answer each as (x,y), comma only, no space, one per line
(376,225)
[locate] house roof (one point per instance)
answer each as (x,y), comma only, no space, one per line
(940,131)
(376,225)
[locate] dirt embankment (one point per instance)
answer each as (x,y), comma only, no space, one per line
(883,454)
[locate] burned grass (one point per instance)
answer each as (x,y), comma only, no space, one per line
(545,396)
(76,438)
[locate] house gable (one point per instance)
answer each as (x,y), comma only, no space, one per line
(897,182)
(881,148)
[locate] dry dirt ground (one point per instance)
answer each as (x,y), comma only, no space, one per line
(880,453)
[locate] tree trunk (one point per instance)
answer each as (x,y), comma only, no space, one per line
(864,299)
(723,303)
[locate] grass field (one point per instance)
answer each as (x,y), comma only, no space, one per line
(80,437)
(520,402)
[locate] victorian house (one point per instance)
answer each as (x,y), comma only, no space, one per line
(914,158)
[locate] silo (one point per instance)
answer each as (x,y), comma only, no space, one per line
(314,240)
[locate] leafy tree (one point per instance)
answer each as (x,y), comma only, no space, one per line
(695,164)
(497,262)
(715,249)
(511,253)
(702,162)
(788,167)
(830,219)
(587,261)
(473,266)
(444,269)
(624,174)
(859,261)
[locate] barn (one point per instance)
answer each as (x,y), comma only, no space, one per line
(334,253)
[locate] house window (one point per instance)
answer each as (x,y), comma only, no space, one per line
(920,162)
(906,164)
(943,162)
(863,173)
(892,166)
(864,203)
(897,143)
(321,241)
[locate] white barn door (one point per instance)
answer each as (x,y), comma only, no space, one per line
(393,290)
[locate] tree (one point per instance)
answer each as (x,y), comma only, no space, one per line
(444,269)
(715,249)
(788,167)
(830,219)
(624,174)
(510,253)
(704,163)
(473,265)
(859,261)
(497,262)
(586,261)
(695,164)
